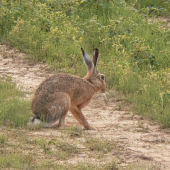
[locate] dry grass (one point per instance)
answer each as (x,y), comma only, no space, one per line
(25,149)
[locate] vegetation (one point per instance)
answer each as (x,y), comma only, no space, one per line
(21,151)
(100,145)
(134,53)
(152,7)
(13,111)
(135,57)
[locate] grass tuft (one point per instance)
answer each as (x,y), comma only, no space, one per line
(103,145)
(3,139)
(74,132)
(14,111)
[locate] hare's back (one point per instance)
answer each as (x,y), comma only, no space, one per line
(70,84)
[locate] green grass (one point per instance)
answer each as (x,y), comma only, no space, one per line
(66,147)
(74,132)
(24,149)
(103,145)
(3,139)
(14,111)
(134,53)
(21,149)
(152,7)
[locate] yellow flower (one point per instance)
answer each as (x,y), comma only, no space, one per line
(81,2)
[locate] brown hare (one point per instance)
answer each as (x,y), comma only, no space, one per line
(61,93)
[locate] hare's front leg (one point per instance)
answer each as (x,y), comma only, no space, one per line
(80,117)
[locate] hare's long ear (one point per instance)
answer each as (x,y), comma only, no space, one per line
(87,60)
(95,57)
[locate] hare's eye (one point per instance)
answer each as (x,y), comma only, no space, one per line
(102,77)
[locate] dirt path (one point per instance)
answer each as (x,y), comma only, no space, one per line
(165,21)
(143,141)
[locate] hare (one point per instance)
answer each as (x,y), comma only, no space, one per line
(61,93)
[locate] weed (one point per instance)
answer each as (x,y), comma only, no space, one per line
(67,147)
(64,150)
(51,165)
(3,139)
(111,166)
(15,160)
(74,132)
(101,166)
(103,145)
(142,128)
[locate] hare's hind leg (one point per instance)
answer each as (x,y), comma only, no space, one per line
(66,107)
(58,109)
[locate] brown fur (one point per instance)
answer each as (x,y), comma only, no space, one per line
(63,92)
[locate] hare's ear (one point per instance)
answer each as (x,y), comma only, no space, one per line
(95,57)
(87,60)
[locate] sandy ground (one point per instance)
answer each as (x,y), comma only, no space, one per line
(143,141)
(165,21)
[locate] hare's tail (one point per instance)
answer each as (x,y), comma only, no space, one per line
(34,122)
(32,119)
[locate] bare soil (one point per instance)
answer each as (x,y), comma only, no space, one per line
(142,142)
(165,21)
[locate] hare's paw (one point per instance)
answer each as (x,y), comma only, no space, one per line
(90,128)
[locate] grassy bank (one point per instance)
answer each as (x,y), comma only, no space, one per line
(134,53)
(14,111)
(152,7)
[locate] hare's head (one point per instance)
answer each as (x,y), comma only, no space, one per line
(93,75)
